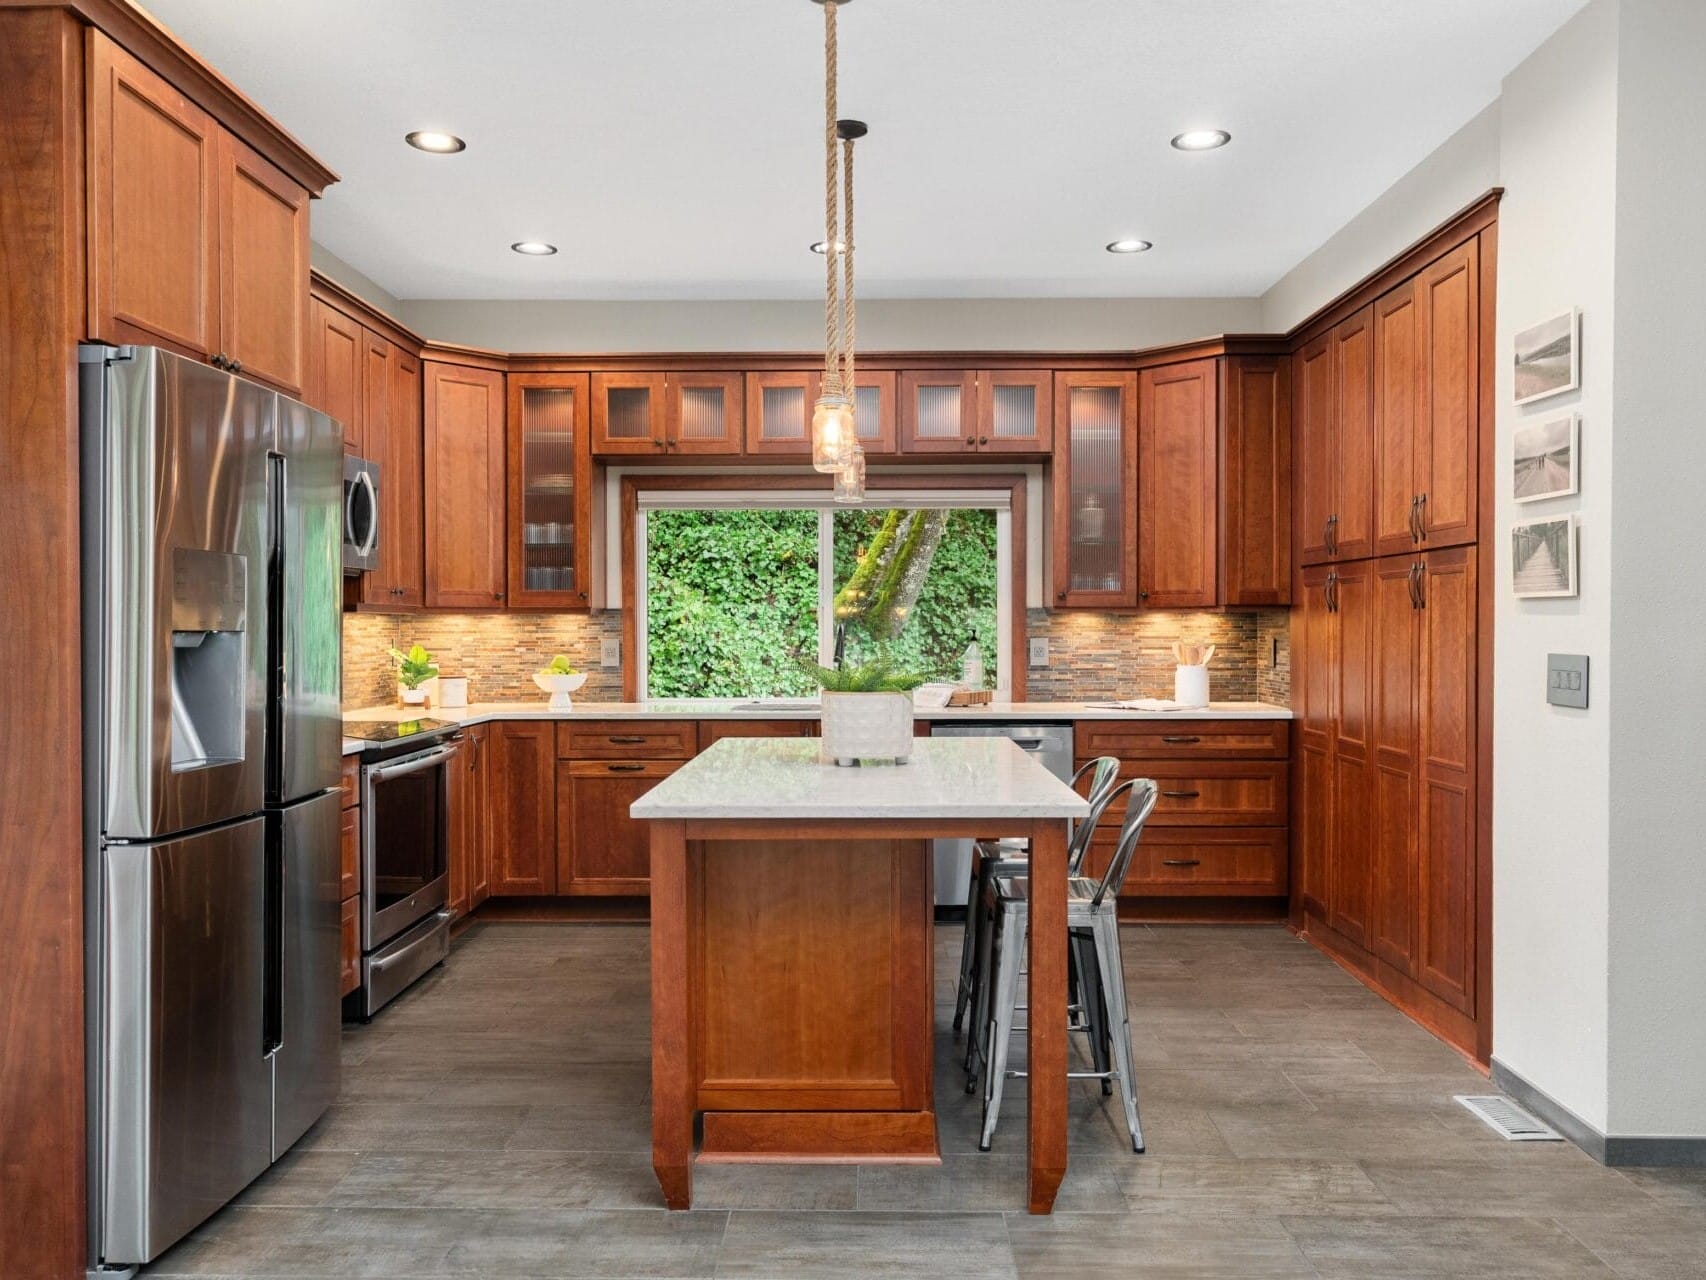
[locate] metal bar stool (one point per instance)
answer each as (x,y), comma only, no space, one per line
(1092,921)
(991,858)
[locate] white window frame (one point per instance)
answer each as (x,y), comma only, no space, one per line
(815,500)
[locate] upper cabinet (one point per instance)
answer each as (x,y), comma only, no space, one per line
(1178,562)
(986,411)
(779,411)
(1255,481)
(195,241)
(1095,514)
(1335,422)
(657,414)
(337,347)
(404,480)
(464,491)
(552,491)
(1447,468)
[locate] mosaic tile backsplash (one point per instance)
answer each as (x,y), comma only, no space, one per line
(1092,656)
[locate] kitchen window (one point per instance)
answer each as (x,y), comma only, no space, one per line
(736,593)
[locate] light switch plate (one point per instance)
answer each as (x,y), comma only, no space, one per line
(610,651)
(1567,679)
(1039,651)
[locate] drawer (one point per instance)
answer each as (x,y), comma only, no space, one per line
(1231,862)
(352,781)
(349,927)
(712,730)
(349,881)
(627,740)
(1211,793)
(1182,739)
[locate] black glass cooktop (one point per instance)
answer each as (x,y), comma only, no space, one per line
(392,730)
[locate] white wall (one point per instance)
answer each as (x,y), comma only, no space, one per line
(1459,171)
(1068,324)
(1551,841)
(1657,612)
(328,263)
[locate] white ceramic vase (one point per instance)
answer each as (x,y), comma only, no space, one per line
(867,726)
(559,687)
(415,697)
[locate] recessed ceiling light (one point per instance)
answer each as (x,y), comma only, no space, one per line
(534,248)
(1129,246)
(1201,139)
(822,246)
(436,141)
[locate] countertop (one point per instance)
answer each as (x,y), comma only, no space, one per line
(748,709)
(790,779)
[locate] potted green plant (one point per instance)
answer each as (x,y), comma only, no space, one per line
(559,678)
(867,711)
(414,669)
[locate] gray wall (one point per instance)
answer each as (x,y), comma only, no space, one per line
(328,263)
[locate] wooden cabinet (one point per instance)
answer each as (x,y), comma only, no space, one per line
(976,411)
(1335,417)
(349,946)
(713,730)
(1313,658)
(464,487)
(626,739)
(1095,473)
(196,242)
(349,854)
(779,412)
(337,348)
(1447,466)
(553,491)
(1255,481)
(1397,400)
(349,878)
(600,849)
(1350,871)
(522,807)
(470,808)
(1312,383)
(659,414)
(1178,540)
(400,514)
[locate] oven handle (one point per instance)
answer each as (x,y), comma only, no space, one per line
(409,764)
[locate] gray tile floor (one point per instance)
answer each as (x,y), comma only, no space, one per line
(494,1124)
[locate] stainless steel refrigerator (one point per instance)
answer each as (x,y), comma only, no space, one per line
(212,641)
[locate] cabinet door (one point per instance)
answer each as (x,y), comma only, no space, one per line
(705,413)
(938,412)
(1353,437)
(1255,480)
(464,492)
(403,481)
(378,585)
(1314,641)
(479,835)
(349,946)
(1094,529)
(600,849)
(550,491)
(1015,413)
(337,347)
(1393,919)
(523,808)
(263,267)
(874,410)
(628,414)
(1446,843)
(1177,484)
(1314,419)
(153,215)
(462,774)
(1448,296)
(1351,879)
(1397,394)
(779,412)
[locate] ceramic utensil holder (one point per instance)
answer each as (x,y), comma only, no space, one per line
(452,691)
(1190,686)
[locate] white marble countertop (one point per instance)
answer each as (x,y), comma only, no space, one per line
(790,779)
(792,709)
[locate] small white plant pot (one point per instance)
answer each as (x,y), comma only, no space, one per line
(412,697)
(867,726)
(559,687)
(1190,686)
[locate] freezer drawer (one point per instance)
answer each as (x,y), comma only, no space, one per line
(306,858)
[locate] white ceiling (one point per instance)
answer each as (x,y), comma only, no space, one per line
(673,148)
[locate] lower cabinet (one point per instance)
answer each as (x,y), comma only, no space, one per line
(600,849)
(470,841)
(349,879)
(522,798)
(349,946)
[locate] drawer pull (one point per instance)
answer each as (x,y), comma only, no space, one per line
(1181,862)
(626,739)
(624,768)
(1181,795)
(1180,739)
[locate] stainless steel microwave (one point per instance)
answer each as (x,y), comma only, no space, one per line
(361,514)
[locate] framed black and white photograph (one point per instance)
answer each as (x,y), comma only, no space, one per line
(1543,557)
(1545,463)
(1548,357)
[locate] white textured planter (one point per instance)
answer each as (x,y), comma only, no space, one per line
(415,697)
(559,687)
(867,726)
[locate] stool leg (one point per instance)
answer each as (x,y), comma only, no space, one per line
(1090,994)
(968,948)
(982,983)
(1009,953)
(1107,934)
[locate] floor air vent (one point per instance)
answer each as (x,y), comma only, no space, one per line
(1506,1119)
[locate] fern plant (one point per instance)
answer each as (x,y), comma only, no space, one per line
(877,676)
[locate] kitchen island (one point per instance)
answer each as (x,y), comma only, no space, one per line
(791,938)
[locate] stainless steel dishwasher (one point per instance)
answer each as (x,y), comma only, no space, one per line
(1051,744)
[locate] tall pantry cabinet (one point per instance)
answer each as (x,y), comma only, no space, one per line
(1390,404)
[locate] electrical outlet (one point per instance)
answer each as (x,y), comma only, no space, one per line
(1039,651)
(610,651)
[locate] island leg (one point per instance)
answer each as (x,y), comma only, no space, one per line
(672,1086)
(1047,1067)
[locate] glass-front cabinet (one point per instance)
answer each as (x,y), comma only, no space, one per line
(551,491)
(657,414)
(976,411)
(779,411)
(1095,514)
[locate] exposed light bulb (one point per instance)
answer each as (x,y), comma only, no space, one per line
(832,433)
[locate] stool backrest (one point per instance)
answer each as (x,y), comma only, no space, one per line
(1141,795)
(1104,772)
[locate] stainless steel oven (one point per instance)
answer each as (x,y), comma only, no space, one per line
(361,514)
(406,823)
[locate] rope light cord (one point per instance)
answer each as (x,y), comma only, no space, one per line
(847,383)
(832,331)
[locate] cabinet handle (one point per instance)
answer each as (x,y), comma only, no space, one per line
(217,360)
(971,439)
(1182,795)
(1421,517)
(1330,592)
(497,595)
(236,366)
(624,768)
(1421,584)
(1181,862)
(1060,595)
(983,439)
(1143,595)
(1330,535)
(626,739)
(1410,586)
(1180,739)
